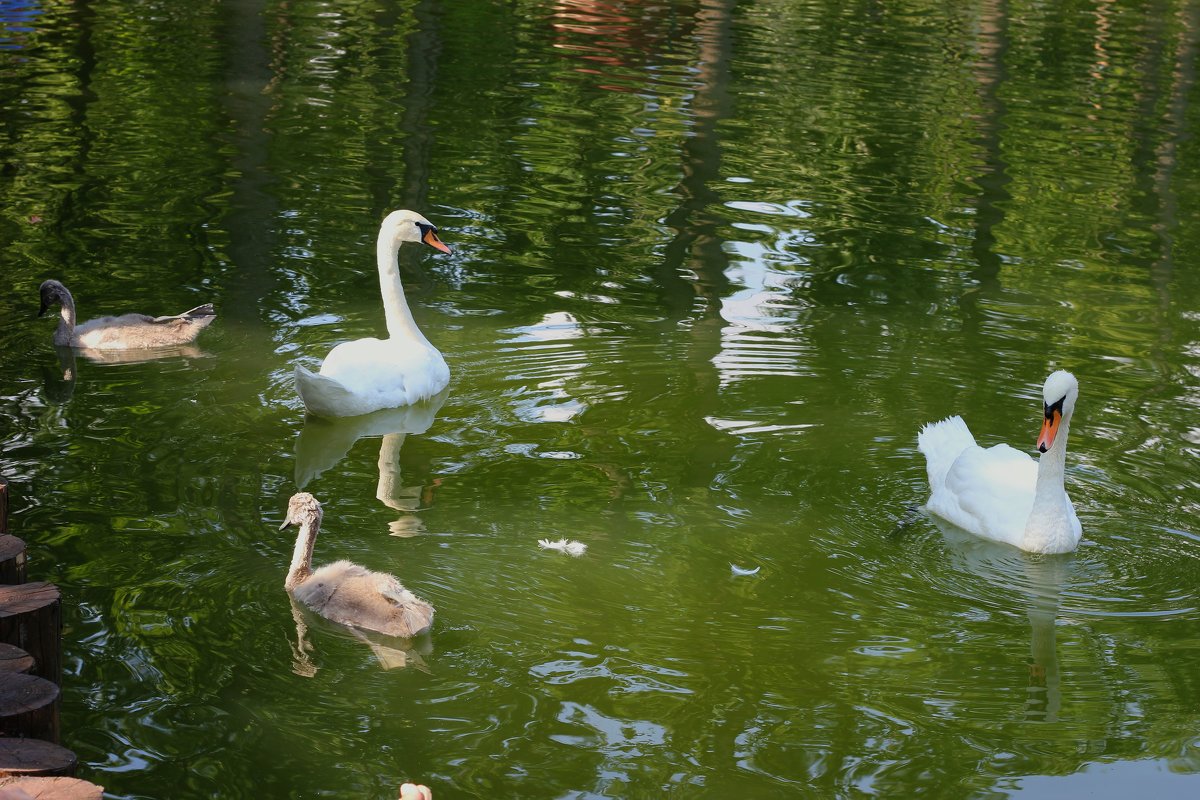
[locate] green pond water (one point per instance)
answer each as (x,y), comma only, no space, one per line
(714,265)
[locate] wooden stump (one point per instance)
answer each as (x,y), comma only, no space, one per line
(14,659)
(28,707)
(31,619)
(50,789)
(12,549)
(30,757)
(12,559)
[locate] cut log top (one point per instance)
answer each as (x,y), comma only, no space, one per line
(49,789)
(27,597)
(10,546)
(28,707)
(21,694)
(14,659)
(29,757)
(12,549)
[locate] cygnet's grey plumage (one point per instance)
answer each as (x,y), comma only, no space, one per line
(126,332)
(345,592)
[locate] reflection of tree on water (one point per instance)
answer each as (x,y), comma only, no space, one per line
(617,41)
(992,178)
(324,442)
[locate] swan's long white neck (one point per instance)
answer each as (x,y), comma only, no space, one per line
(1048,529)
(301,567)
(400,322)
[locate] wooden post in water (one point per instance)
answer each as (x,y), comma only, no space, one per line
(28,707)
(14,659)
(29,757)
(31,619)
(12,559)
(32,764)
(12,549)
(20,756)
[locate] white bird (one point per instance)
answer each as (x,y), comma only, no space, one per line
(365,375)
(1001,493)
(126,332)
(345,592)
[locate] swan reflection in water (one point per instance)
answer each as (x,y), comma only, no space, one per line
(61,389)
(324,442)
(1040,580)
(374,607)
(391,653)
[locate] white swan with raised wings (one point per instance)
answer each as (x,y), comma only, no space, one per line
(1001,493)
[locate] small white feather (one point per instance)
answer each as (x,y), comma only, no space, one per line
(743,571)
(569,547)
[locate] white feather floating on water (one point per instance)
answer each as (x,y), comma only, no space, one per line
(570,548)
(743,571)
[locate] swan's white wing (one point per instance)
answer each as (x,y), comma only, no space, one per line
(352,359)
(381,374)
(327,397)
(942,443)
(989,492)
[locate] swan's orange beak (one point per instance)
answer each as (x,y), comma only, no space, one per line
(431,238)
(1049,428)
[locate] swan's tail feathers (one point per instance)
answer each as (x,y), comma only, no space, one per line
(198,312)
(322,395)
(203,314)
(942,442)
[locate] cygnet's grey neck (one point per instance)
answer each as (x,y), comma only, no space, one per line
(301,566)
(66,319)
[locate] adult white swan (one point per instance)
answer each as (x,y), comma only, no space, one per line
(365,375)
(1001,493)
